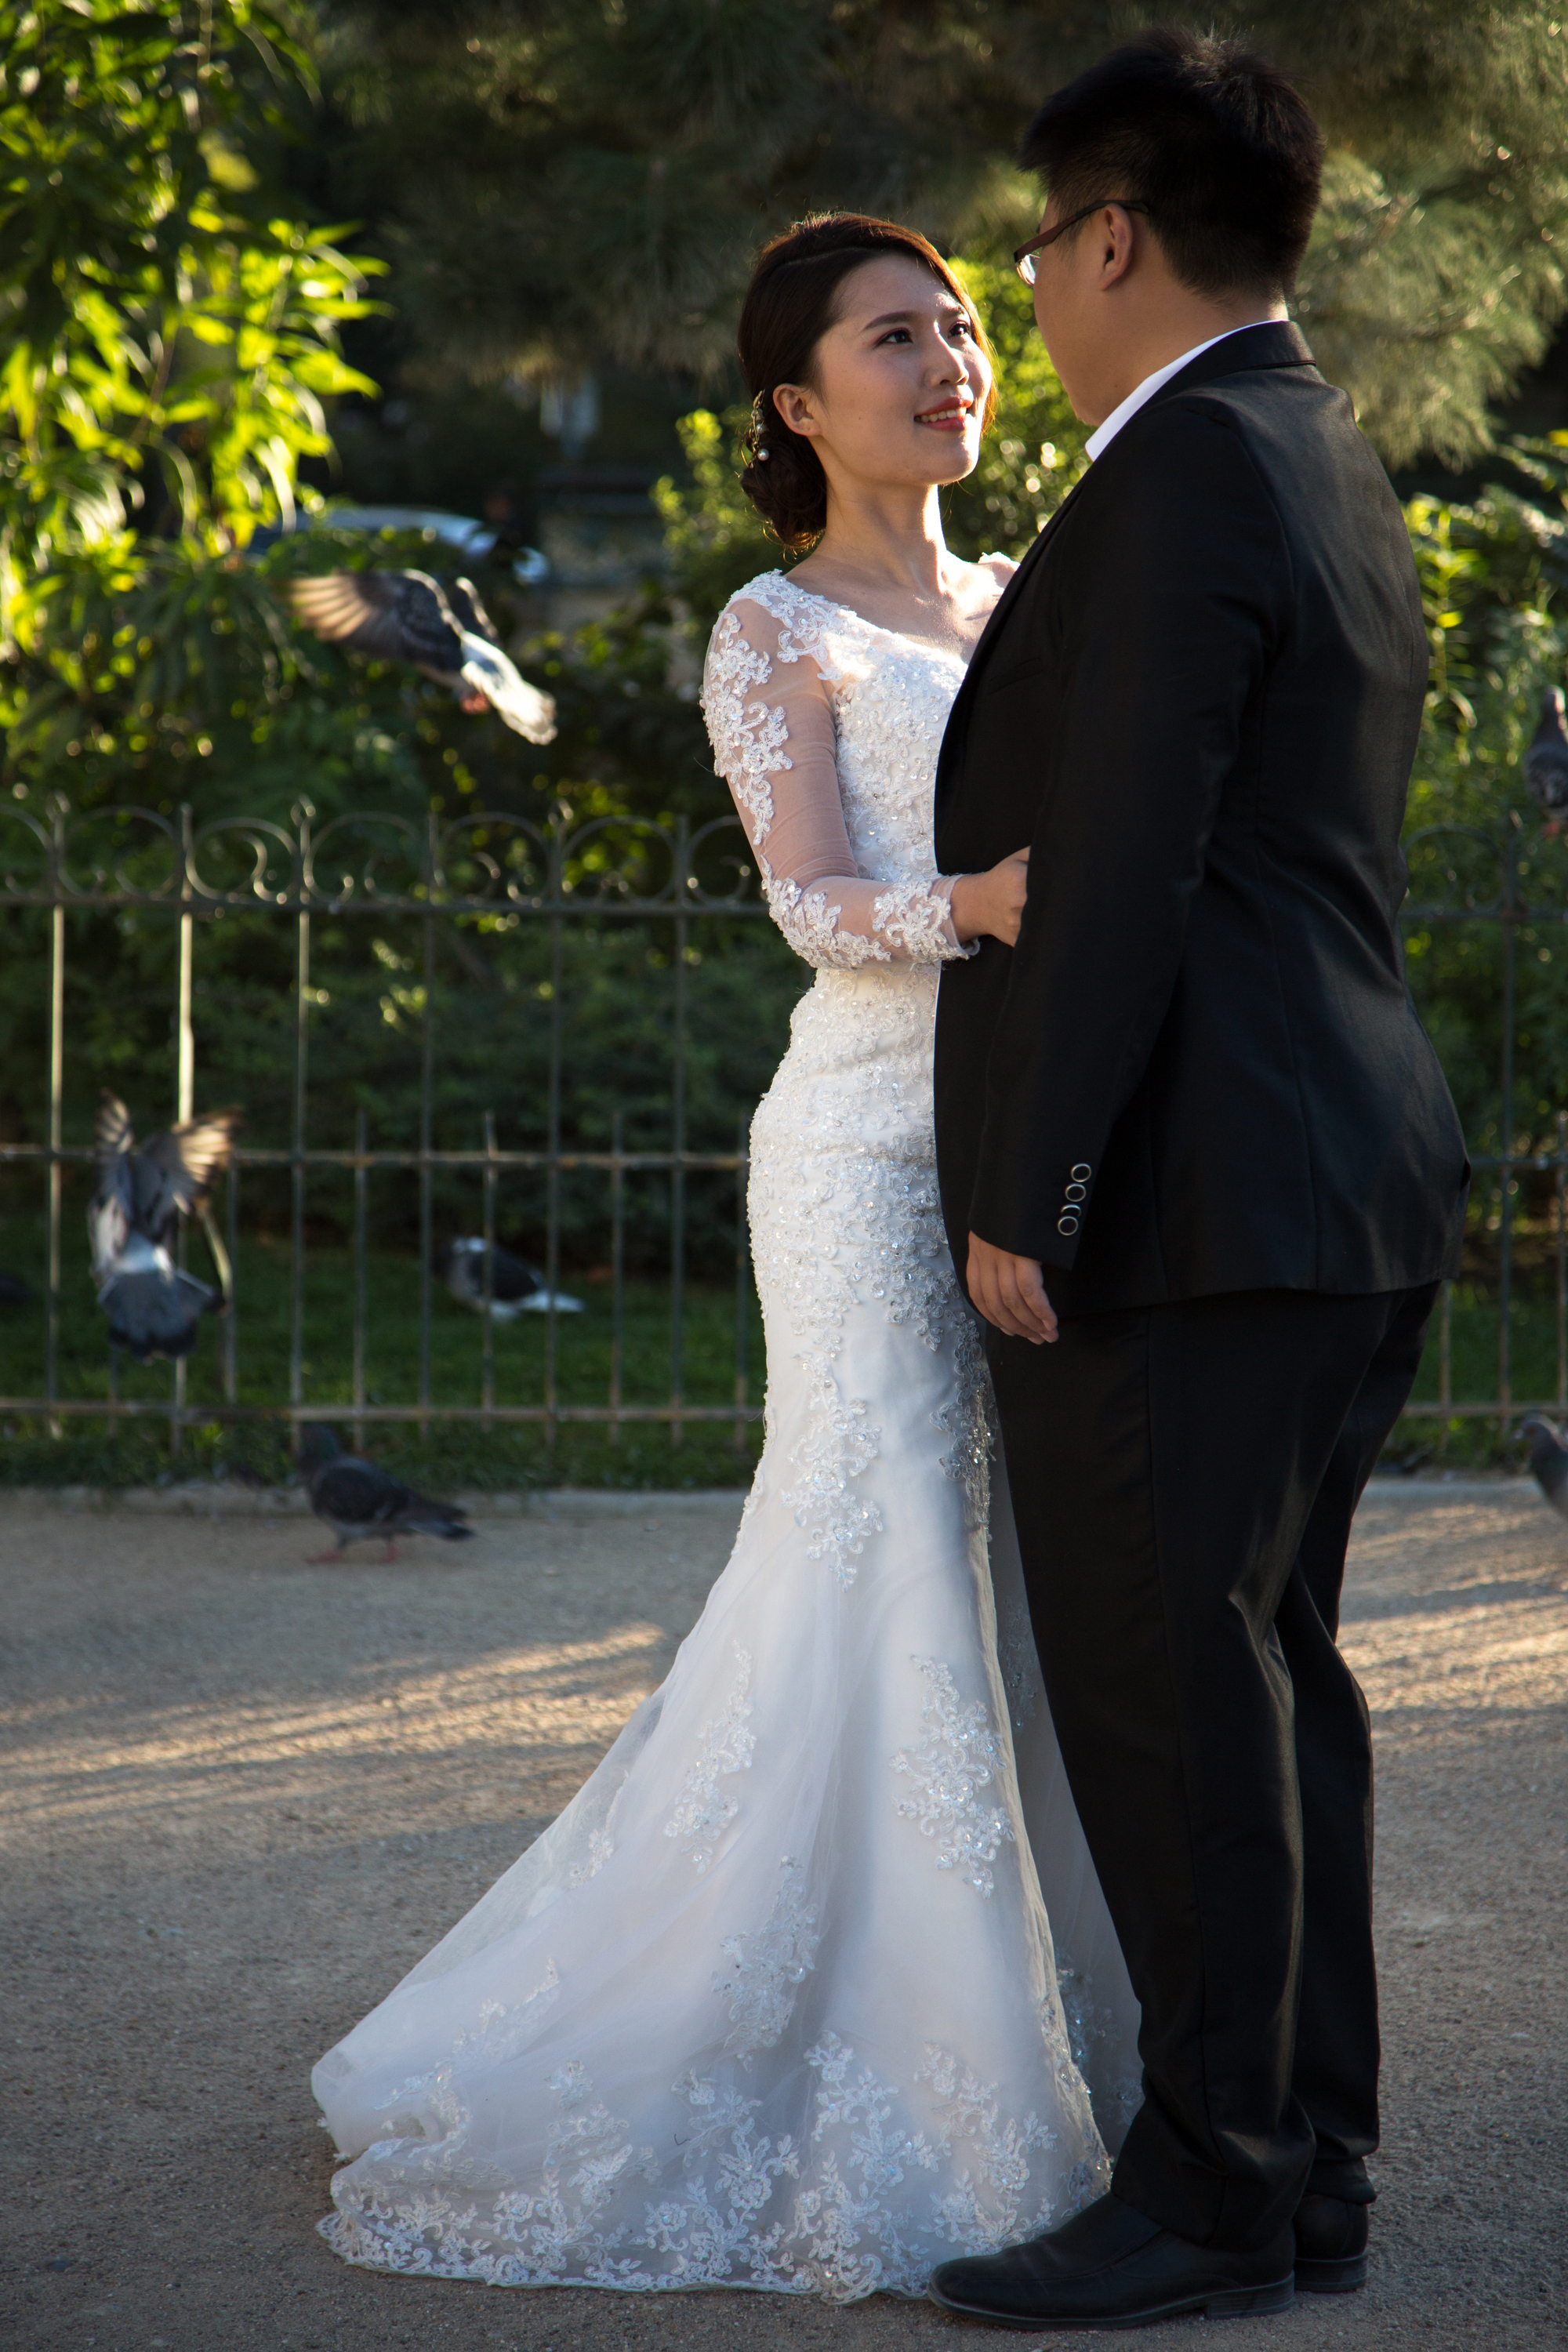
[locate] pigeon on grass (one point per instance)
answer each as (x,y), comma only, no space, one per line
(515,1288)
(1546,761)
(153,1307)
(445,633)
(1548,1459)
(356,1499)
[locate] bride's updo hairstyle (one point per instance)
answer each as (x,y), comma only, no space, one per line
(790,304)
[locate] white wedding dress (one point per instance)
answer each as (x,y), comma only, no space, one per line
(809,1987)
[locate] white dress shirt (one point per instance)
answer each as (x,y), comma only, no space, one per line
(1101,439)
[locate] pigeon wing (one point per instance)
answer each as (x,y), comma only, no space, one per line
(509,1278)
(186,1158)
(392,616)
(352,1493)
(111,1133)
(109,1222)
(417,1515)
(525,710)
(463,603)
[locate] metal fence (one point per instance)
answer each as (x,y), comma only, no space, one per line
(551,874)
(1480,881)
(554,875)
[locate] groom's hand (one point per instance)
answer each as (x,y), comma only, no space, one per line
(1010,1292)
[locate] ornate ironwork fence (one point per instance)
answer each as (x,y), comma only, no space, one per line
(1496,893)
(453,880)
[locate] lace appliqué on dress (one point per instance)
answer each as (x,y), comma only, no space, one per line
(836,1447)
(1002,2149)
(916,919)
(811,927)
(959,1755)
(766,1967)
(970,1421)
(859,2229)
(748,739)
(706,1811)
(1092,2037)
(908,919)
(599,1852)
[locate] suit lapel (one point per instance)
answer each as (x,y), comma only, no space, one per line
(1272,343)
(957,718)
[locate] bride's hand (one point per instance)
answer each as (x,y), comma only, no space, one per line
(991,906)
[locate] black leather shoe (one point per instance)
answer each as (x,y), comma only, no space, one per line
(1330,2246)
(1110,2266)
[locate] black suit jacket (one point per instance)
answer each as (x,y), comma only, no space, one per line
(1200,1070)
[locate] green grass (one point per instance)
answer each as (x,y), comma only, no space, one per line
(1461,1443)
(137,1452)
(463,1455)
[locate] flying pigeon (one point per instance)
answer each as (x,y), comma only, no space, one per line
(1548,1459)
(356,1499)
(515,1288)
(1546,761)
(153,1309)
(445,633)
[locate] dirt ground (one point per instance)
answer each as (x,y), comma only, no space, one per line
(244,1793)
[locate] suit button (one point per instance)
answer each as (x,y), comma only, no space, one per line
(1078,1192)
(1067,1223)
(1082,1172)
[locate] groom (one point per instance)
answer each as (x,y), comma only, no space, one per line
(1199,1159)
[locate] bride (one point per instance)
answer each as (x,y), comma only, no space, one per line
(811,1987)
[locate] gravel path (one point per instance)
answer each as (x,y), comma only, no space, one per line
(244,1793)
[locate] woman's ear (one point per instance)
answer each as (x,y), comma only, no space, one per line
(794,404)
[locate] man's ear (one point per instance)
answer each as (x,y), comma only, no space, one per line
(795,403)
(1117,237)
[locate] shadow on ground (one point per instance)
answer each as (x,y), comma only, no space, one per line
(243,1795)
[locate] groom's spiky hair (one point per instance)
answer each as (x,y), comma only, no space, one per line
(1211,137)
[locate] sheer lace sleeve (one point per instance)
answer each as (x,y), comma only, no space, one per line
(770,720)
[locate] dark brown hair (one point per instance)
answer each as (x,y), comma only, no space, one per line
(1221,148)
(790,304)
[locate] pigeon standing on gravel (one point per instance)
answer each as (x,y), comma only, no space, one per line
(356,1499)
(1546,761)
(445,633)
(153,1307)
(515,1288)
(1548,1459)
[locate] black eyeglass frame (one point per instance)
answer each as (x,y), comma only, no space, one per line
(1024,259)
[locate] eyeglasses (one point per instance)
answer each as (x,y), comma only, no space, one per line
(1024,259)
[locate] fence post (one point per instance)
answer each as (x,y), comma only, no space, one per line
(1562,1238)
(1505,1222)
(488,1359)
(555,884)
(678,1142)
(297,1157)
(427,1113)
(361,1174)
(185,1085)
(56,1104)
(617,1268)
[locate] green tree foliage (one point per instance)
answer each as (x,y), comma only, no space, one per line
(562,187)
(1493,575)
(1436,270)
(168,339)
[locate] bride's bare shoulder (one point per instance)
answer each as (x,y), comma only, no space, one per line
(999,568)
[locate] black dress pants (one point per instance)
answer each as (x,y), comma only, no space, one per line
(1183,1479)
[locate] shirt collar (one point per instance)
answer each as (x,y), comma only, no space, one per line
(1101,439)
